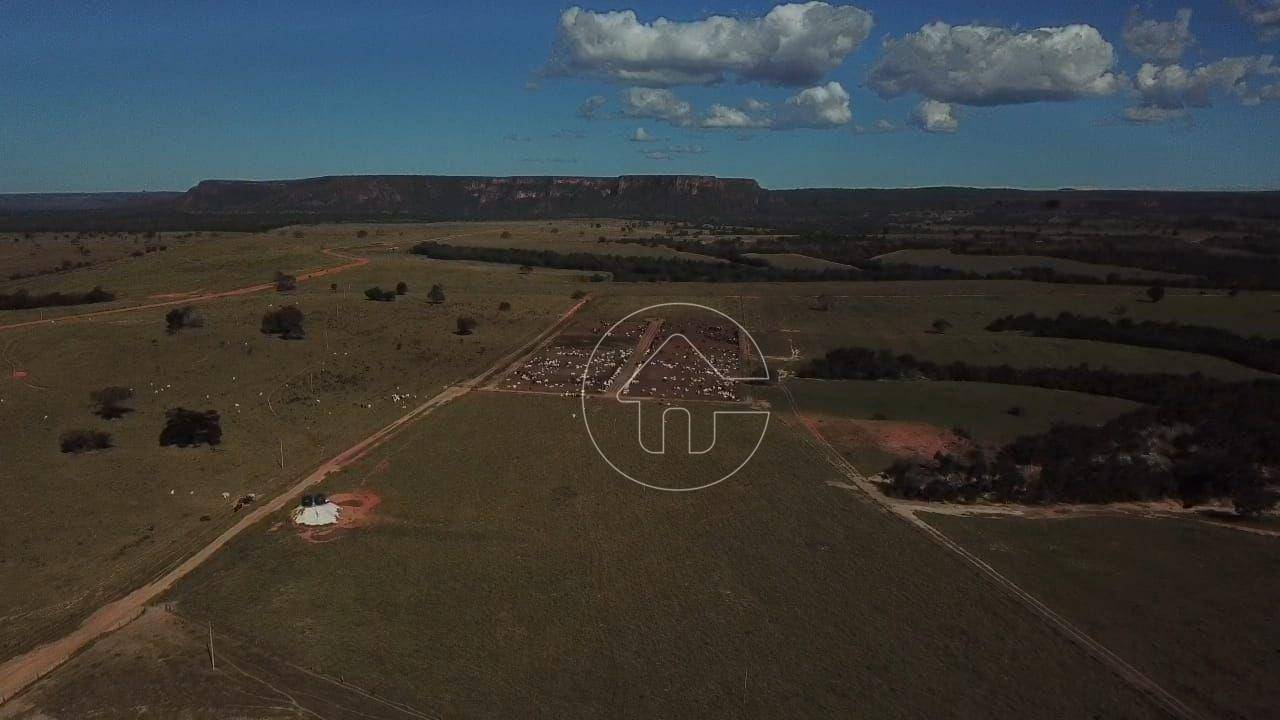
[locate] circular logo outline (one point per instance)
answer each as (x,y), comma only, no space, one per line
(582,396)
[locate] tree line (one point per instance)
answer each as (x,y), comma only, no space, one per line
(1256,352)
(22,300)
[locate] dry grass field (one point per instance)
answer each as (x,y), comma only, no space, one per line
(1002,263)
(504,569)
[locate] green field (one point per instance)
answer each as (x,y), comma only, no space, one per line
(1191,605)
(535,581)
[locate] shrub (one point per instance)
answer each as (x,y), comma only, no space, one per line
(578,294)
(362,233)
(1253,501)
(111,402)
(191,427)
(380,295)
(436,296)
(285,322)
(506,235)
(941,325)
(1156,293)
(504,306)
(78,441)
(285,282)
(333,287)
(183,317)
(466,325)
(401,288)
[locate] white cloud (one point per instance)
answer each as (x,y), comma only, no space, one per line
(1164,41)
(1173,86)
(793,44)
(935,117)
(824,106)
(642,135)
(591,106)
(1152,115)
(1263,15)
(656,103)
(1270,92)
(723,116)
(981,65)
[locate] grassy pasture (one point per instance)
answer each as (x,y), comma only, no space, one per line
(533,580)
(941,257)
(1192,605)
(84,528)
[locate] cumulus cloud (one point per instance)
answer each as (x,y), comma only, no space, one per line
(824,106)
(591,106)
(656,103)
(1164,92)
(642,135)
(981,65)
(1264,15)
(793,44)
(935,117)
(1163,41)
(1173,86)
(723,116)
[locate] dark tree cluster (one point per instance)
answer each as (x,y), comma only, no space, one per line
(377,294)
(285,322)
(1194,439)
(1256,352)
(185,428)
(22,300)
(285,282)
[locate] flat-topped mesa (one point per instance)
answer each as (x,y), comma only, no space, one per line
(479,197)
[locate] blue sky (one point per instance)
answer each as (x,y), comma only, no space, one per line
(159,95)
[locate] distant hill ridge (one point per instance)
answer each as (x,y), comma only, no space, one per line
(247,204)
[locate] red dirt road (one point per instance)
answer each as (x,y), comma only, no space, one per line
(22,671)
(191,299)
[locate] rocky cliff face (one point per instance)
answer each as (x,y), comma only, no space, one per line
(443,197)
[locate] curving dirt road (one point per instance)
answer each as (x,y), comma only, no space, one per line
(22,671)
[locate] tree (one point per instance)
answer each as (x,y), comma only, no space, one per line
(1253,501)
(111,402)
(504,306)
(1156,293)
(183,317)
(401,288)
(505,235)
(578,294)
(466,325)
(941,325)
(333,287)
(78,441)
(436,296)
(377,293)
(285,322)
(285,282)
(185,427)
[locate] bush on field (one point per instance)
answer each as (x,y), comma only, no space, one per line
(78,441)
(183,317)
(378,294)
(285,282)
(191,427)
(285,322)
(111,402)
(466,325)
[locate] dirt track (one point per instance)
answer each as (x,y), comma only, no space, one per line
(192,299)
(20,672)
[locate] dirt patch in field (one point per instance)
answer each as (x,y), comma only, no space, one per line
(175,296)
(357,512)
(19,375)
(900,439)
